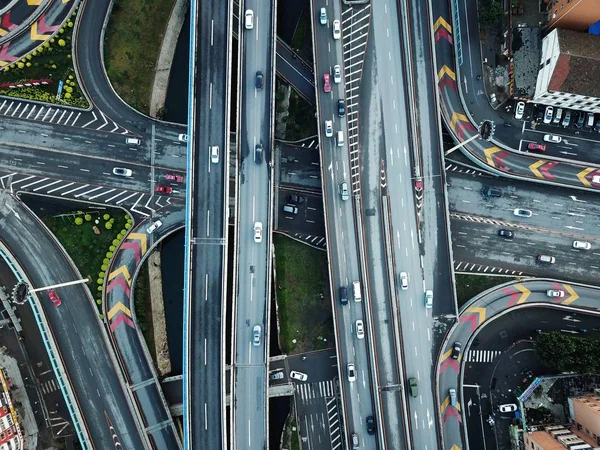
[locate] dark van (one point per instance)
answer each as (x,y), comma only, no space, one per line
(343,295)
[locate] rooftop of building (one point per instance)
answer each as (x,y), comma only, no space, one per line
(577,70)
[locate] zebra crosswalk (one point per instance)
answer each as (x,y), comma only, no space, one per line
(482,356)
(49,386)
(312,391)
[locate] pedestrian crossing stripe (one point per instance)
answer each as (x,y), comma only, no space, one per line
(49,386)
(482,355)
(310,391)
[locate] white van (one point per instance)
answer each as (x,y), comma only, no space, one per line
(340,138)
(356,291)
(133,141)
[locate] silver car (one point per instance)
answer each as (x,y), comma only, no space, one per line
(344,191)
(256,333)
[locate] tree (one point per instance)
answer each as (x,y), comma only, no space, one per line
(78,221)
(562,353)
(491,12)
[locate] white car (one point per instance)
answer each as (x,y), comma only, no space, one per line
(328,128)
(337,30)
(323,16)
(548,114)
(555,293)
(337,74)
(509,407)
(258,232)
(404,280)
(298,376)
(351,372)
(582,245)
(249,19)
(520,110)
(552,138)
(182,137)
(360,329)
(522,212)
(152,228)
(596,179)
(256,333)
(214,154)
(429,298)
(122,172)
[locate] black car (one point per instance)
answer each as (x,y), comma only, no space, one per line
(258,151)
(539,115)
(341,108)
(259,80)
(293,198)
(370,425)
(343,295)
(506,233)
(491,192)
(456,350)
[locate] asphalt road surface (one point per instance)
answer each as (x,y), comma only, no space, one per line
(254,258)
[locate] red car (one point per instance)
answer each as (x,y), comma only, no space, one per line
(326,83)
(163,189)
(174,177)
(54,298)
(536,147)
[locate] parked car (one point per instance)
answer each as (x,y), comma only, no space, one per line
(258,227)
(54,298)
(580,119)
(506,234)
(341,108)
(536,147)
(589,120)
(555,293)
(293,198)
(323,16)
(547,259)
(510,407)
(337,74)
(597,126)
(456,350)
(522,212)
(326,83)
(163,189)
(174,177)
(328,128)
(122,172)
(276,376)
(337,29)
(360,329)
(153,227)
(548,114)
(298,376)
(552,138)
(291,209)
(519,110)
(567,119)
(557,116)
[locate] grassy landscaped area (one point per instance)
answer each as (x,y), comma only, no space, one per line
(468,286)
(89,242)
(52,62)
(302,289)
(133,40)
(290,433)
(301,122)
